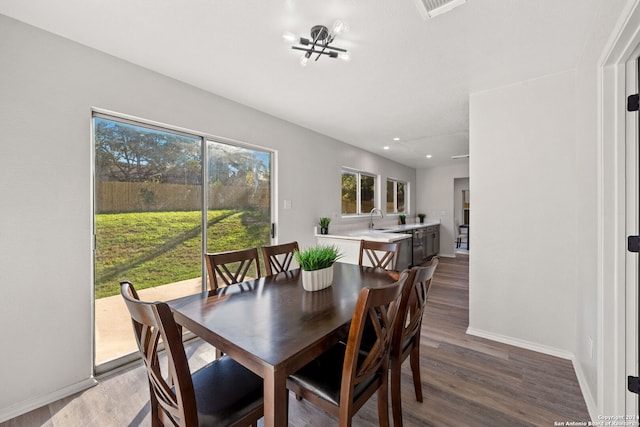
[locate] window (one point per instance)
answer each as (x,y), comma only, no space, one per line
(396,196)
(358,192)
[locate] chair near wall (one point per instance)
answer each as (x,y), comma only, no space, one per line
(231,267)
(342,380)
(380,254)
(223,393)
(462,233)
(277,258)
(406,336)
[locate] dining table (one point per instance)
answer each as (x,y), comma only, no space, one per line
(273,327)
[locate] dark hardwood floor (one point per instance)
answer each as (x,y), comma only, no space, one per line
(468,381)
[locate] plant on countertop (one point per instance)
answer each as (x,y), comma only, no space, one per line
(317,257)
(324,225)
(421,216)
(403,218)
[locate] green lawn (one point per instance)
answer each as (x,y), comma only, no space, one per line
(156,248)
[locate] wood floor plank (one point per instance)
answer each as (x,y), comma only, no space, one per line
(467,380)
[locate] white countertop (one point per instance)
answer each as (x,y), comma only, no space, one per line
(391,233)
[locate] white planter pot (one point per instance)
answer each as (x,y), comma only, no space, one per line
(317,279)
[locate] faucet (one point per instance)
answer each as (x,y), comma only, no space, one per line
(371,215)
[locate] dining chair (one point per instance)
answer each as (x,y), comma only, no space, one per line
(231,267)
(380,254)
(341,380)
(406,335)
(222,393)
(277,258)
(462,233)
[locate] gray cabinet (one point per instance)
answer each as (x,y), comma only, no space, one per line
(432,241)
(404,255)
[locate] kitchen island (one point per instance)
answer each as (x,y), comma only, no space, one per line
(418,242)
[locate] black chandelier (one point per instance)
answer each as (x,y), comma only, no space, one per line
(320,43)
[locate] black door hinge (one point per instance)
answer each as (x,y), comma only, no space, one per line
(633,384)
(633,243)
(273,230)
(633,102)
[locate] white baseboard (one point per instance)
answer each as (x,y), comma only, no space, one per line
(37,402)
(592,405)
(552,351)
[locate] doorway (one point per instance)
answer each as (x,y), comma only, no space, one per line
(461,214)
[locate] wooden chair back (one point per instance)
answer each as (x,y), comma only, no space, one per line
(172,394)
(380,254)
(406,335)
(227,268)
(277,258)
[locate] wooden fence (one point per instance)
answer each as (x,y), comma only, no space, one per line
(112,196)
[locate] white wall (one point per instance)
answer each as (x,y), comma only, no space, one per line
(436,199)
(543,293)
(49,86)
(522,278)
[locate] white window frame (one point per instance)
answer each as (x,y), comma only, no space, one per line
(376,191)
(395,196)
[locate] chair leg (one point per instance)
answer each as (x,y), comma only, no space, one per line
(396,401)
(414,359)
(383,404)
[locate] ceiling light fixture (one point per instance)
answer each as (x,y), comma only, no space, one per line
(320,43)
(386,147)
(428,156)
(396,139)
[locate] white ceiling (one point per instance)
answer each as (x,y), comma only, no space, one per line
(408,77)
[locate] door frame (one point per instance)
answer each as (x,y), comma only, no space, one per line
(613,209)
(122,362)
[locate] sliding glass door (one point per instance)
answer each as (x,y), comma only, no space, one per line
(150,217)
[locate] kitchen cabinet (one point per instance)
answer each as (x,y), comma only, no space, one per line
(432,241)
(349,246)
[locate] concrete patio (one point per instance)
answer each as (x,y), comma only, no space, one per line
(113,331)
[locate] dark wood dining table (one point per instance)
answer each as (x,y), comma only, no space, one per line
(273,326)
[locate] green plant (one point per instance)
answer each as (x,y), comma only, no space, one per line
(402,217)
(421,216)
(324,222)
(317,257)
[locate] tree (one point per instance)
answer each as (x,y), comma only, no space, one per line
(132,153)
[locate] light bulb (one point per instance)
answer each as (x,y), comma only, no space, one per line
(338,27)
(289,36)
(344,56)
(304,60)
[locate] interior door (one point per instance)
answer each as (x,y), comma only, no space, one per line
(632,223)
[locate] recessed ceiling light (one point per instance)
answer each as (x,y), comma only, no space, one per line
(428,156)
(386,147)
(396,139)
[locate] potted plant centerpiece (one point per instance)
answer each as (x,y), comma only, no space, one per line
(403,218)
(324,225)
(316,263)
(421,216)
